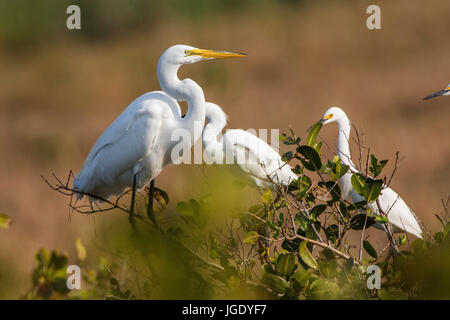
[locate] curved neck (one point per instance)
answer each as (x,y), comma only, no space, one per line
(344,128)
(183,90)
(211,132)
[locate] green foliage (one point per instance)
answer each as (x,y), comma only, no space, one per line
(5,221)
(292,243)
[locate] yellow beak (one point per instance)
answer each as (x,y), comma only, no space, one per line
(329,116)
(211,54)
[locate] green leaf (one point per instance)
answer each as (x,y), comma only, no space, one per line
(357,222)
(372,189)
(332,232)
(392,294)
(266,197)
(285,264)
(185,208)
(447,230)
(312,135)
(81,250)
(302,221)
(302,276)
(251,237)
(289,140)
(5,221)
(402,240)
(304,183)
(358,182)
(338,168)
(376,167)
(381,219)
(317,210)
(306,256)
(311,159)
(274,282)
(370,249)
(287,156)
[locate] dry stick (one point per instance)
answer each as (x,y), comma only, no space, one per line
(321,244)
(362,240)
(63,187)
(312,224)
(388,230)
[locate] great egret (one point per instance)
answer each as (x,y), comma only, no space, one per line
(398,213)
(254,157)
(135,148)
(445,92)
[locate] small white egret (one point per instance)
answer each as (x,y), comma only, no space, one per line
(254,157)
(445,92)
(135,148)
(398,213)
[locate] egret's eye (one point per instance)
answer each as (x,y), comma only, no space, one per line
(328,116)
(186,52)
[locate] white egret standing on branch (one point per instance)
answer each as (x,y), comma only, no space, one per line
(445,92)
(398,213)
(135,148)
(253,156)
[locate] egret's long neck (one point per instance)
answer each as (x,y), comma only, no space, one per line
(217,120)
(184,90)
(344,128)
(211,132)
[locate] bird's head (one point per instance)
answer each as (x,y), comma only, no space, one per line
(182,54)
(333,114)
(445,92)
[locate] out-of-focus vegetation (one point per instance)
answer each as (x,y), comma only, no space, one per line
(60,89)
(291,244)
(24,25)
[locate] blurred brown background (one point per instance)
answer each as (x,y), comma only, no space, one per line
(59,89)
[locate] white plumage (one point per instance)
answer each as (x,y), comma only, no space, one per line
(255,158)
(398,213)
(138,143)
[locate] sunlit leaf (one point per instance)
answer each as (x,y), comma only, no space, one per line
(358,182)
(285,264)
(81,250)
(5,221)
(313,132)
(302,276)
(274,282)
(251,237)
(372,189)
(266,197)
(381,219)
(306,256)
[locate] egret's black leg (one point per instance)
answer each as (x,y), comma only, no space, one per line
(131,217)
(151,193)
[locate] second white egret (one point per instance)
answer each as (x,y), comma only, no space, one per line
(253,156)
(398,213)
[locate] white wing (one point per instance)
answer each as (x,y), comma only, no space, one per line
(397,212)
(257,159)
(124,146)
